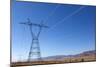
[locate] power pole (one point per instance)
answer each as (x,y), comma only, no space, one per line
(35,52)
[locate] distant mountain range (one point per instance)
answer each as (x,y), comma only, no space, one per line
(61,57)
(85,56)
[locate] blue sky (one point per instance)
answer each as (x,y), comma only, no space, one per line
(73,35)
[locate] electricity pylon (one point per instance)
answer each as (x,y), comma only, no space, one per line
(35,52)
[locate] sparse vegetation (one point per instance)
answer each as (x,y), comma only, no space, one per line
(66,60)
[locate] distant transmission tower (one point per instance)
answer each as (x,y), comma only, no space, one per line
(34,52)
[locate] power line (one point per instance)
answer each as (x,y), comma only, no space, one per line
(52,12)
(65,18)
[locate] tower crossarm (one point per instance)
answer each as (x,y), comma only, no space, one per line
(34,24)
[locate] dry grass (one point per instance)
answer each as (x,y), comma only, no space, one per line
(65,60)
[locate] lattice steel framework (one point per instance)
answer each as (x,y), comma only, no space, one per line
(35,52)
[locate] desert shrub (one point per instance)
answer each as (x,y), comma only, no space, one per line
(82,60)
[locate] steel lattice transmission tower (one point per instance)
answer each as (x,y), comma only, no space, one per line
(34,52)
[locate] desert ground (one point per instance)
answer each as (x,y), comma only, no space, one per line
(82,58)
